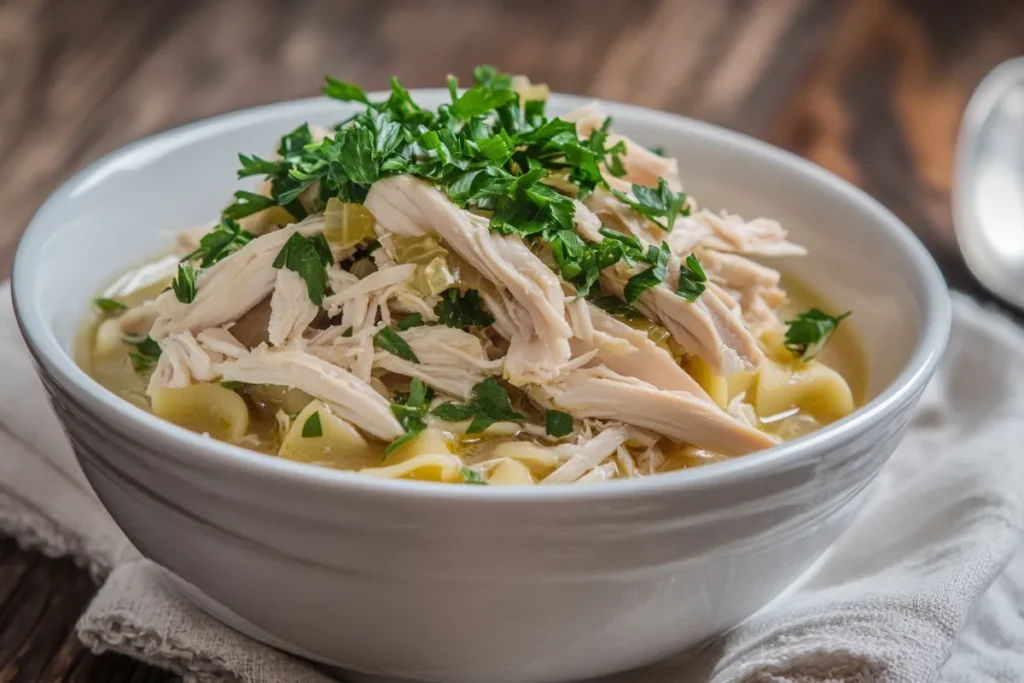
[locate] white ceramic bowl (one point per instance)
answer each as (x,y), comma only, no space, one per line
(464,583)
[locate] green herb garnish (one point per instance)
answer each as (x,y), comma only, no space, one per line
(411,320)
(232,385)
(389,340)
(246,204)
(489,404)
(471,476)
(348,332)
(558,423)
(409,411)
(309,257)
(658,259)
(222,241)
(110,307)
(809,332)
(661,205)
(184,285)
(312,427)
(691,279)
(463,310)
(145,356)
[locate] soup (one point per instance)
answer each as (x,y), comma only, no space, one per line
(482,295)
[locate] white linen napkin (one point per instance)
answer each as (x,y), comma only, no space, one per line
(928,584)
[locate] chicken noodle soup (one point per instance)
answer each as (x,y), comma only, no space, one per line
(481,294)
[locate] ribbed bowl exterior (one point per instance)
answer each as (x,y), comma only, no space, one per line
(514,592)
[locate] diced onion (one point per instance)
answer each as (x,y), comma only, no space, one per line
(347,224)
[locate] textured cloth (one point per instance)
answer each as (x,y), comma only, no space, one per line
(928,584)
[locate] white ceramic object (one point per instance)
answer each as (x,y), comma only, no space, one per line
(464,583)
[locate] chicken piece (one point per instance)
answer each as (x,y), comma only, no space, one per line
(291,310)
(600,393)
(730,233)
(409,206)
(586,456)
(355,353)
(631,352)
(231,287)
(643,167)
(351,398)
(218,340)
(450,360)
(355,298)
(182,362)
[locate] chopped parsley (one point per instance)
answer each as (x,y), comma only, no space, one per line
(145,355)
(222,241)
(309,257)
(809,332)
(411,320)
(489,404)
(471,476)
(232,385)
(348,332)
(246,204)
(389,340)
(485,150)
(658,258)
(558,423)
(462,310)
(312,428)
(184,285)
(661,205)
(110,307)
(409,411)
(691,279)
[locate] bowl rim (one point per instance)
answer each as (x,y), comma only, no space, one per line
(935,311)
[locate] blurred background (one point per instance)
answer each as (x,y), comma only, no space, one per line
(872,89)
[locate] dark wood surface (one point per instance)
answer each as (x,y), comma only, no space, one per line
(871,89)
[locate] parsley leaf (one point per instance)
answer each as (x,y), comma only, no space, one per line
(558,423)
(463,311)
(309,257)
(348,332)
(482,98)
(145,356)
(489,404)
(222,241)
(409,411)
(691,279)
(809,332)
(471,476)
(389,340)
(312,427)
(346,92)
(110,307)
(246,204)
(411,320)
(658,258)
(184,285)
(657,203)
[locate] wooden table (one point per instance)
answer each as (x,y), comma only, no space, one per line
(871,89)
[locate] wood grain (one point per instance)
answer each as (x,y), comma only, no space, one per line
(871,89)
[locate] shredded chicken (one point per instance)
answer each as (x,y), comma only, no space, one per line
(450,360)
(599,392)
(231,287)
(291,310)
(409,206)
(351,398)
(182,362)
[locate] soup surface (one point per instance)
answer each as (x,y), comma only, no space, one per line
(479,295)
